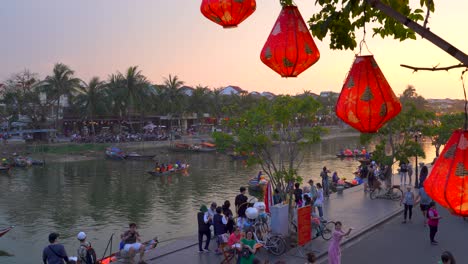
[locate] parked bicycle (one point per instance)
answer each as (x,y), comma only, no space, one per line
(274,243)
(320,228)
(393,193)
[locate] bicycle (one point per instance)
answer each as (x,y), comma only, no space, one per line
(323,229)
(274,243)
(393,193)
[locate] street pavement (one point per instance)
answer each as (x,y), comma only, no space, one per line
(353,208)
(395,242)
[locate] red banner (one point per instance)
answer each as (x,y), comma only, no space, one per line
(304,226)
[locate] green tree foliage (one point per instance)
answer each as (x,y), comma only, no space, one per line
(91,99)
(441,128)
(22,97)
(341,18)
(396,140)
(276,131)
(61,83)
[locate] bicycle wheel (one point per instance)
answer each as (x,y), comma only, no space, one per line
(374,193)
(327,230)
(396,194)
(276,245)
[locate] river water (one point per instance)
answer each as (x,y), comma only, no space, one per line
(101,197)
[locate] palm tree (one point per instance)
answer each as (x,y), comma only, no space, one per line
(60,83)
(173,97)
(199,101)
(136,89)
(91,98)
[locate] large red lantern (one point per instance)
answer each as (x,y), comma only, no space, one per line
(366,101)
(448,182)
(290,49)
(227,13)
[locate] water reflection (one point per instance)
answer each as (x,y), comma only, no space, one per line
(101,197)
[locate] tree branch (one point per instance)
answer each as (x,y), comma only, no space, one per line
(423,32)
(435,68)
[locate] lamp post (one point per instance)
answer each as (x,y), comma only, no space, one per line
(417,135)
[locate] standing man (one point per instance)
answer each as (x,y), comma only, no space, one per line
(325,184)
(241,205)
(313,194)
(204,221)
(409,167)
(86,254)
(54,253)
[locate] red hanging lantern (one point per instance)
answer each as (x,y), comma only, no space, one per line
(366,101)
(448,182)
(227,13)
(290,49)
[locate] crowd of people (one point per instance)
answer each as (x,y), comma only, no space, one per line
(130,245)
(119,137)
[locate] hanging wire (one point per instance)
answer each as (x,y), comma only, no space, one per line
(363,41)
(466,102)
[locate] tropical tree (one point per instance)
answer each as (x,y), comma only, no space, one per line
(198,102)
(61,83)
(22,97)
(440,129)
(91,99)
(173,98)
(274,133)
(134,92)
(398,134)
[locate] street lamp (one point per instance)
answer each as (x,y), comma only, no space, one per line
(417,135)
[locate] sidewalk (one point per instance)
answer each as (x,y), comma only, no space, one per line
(353,208)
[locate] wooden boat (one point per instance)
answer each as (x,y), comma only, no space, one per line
(351,155)
(115,153)
(4,169)
(364,161)
(5,230)
(255,184)
(136,156)
(157,173)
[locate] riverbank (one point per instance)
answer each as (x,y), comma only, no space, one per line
(73,152)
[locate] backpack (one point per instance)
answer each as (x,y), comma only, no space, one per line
(90,255)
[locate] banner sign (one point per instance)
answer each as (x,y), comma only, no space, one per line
(304,225)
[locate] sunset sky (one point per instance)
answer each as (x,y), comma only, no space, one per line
(99,37)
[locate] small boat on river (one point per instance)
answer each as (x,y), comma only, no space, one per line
(136,156)
(258,182)
(5,230)
(202,147)
(115,153)
(173,171)
(4,169)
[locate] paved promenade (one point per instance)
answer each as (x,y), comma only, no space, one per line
(353,208)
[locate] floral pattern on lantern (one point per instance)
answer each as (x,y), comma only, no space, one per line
(290,49)
(366,101)
(227,13)
(447,183)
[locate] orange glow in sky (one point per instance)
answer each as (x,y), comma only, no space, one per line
(97,38)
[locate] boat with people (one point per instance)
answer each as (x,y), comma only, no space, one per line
(170,168)
(258,182)
(356,153)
